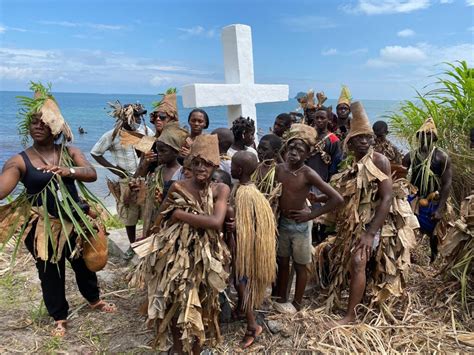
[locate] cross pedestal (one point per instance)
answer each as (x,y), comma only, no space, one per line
(239,93)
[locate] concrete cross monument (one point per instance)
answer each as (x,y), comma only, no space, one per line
(239,93)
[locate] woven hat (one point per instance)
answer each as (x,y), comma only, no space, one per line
(345,97)
(301,131)
(206,146)
(360,122)
(307,101)
(167,104)
(428,126)
(173,135)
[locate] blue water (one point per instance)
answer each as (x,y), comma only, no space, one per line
(90,112)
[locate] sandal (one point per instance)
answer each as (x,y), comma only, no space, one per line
(103,306)
(60,328)
(250,336)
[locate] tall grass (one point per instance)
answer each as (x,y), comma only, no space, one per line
(451,105)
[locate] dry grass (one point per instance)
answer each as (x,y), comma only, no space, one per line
(428,319)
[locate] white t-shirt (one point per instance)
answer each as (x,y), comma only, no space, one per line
(124,156)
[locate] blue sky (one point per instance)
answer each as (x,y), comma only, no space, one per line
(382,49)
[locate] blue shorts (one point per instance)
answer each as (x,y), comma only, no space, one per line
(294,240)
(427,224)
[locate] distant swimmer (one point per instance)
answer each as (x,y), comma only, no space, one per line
(82,130)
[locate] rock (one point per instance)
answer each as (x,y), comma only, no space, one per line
(275,326)
(119,244)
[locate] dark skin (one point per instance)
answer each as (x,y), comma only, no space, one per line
(226,139)
(243,166)
(280,127)
(15,168)
(266,155)
(310,115)
(43,142)
(362,252)
(320,123)
(200,181)
(297,180)
(442,159)
(248,139)
(197,122)
(381,134)
(343,111)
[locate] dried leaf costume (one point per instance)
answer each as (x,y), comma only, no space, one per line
(183,266)
(267,184)
(256,243)
(56,212)
(358,184)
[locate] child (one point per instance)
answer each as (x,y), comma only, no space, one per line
(226,139)
(255,266)
(294,239)
(183,262)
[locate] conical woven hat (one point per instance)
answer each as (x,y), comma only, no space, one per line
(428,126)
(173,135)
(52,117)
(304,132)
(206,146)
(360,122)
(168,105)
(345,97)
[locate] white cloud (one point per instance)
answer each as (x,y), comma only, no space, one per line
(407,32)
(470,29)
(83,67)
(425,56)
(470,2)
(379,7)
(446,1)
(96,26)
(2,29)
(196,31)
(308,23)
(330,51)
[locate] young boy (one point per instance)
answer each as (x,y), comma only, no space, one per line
(226,139)
(183,262)
(264,176)
(255,256)
(294,229)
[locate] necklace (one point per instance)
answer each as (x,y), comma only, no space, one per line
(295,172)
(43,159)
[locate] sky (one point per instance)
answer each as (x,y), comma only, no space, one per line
(381,49)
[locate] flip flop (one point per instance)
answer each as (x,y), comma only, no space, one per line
(60,329)
(252,335)
(103,306)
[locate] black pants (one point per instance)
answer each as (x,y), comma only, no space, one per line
(52,277)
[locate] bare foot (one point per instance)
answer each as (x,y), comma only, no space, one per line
(103,306)
(341,322)
(250,336)
(60,328)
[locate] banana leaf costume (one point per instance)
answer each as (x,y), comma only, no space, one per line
(184,267)
(57,212)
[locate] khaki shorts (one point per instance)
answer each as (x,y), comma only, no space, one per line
(129,212)
(294,239)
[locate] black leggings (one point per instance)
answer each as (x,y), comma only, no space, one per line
(52,278)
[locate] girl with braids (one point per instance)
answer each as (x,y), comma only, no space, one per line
(244,136)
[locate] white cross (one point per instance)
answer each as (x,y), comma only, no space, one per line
(239,93)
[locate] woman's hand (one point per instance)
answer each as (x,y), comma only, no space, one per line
(56,170)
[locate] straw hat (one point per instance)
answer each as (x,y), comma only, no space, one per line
(360,122)
(52,117)
(168,104)
(206,146)
(173,135)
(304,132)
(428,126)
(345,97)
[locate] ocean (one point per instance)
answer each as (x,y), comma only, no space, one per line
(90,112)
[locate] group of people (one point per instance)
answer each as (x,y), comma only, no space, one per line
(219,209)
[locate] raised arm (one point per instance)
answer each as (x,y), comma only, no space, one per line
(11,175)
(214,221)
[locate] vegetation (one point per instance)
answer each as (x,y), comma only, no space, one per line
(451,105)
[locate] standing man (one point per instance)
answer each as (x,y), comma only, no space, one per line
(342,124)
(432,174)
(125,163)
(282,124)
